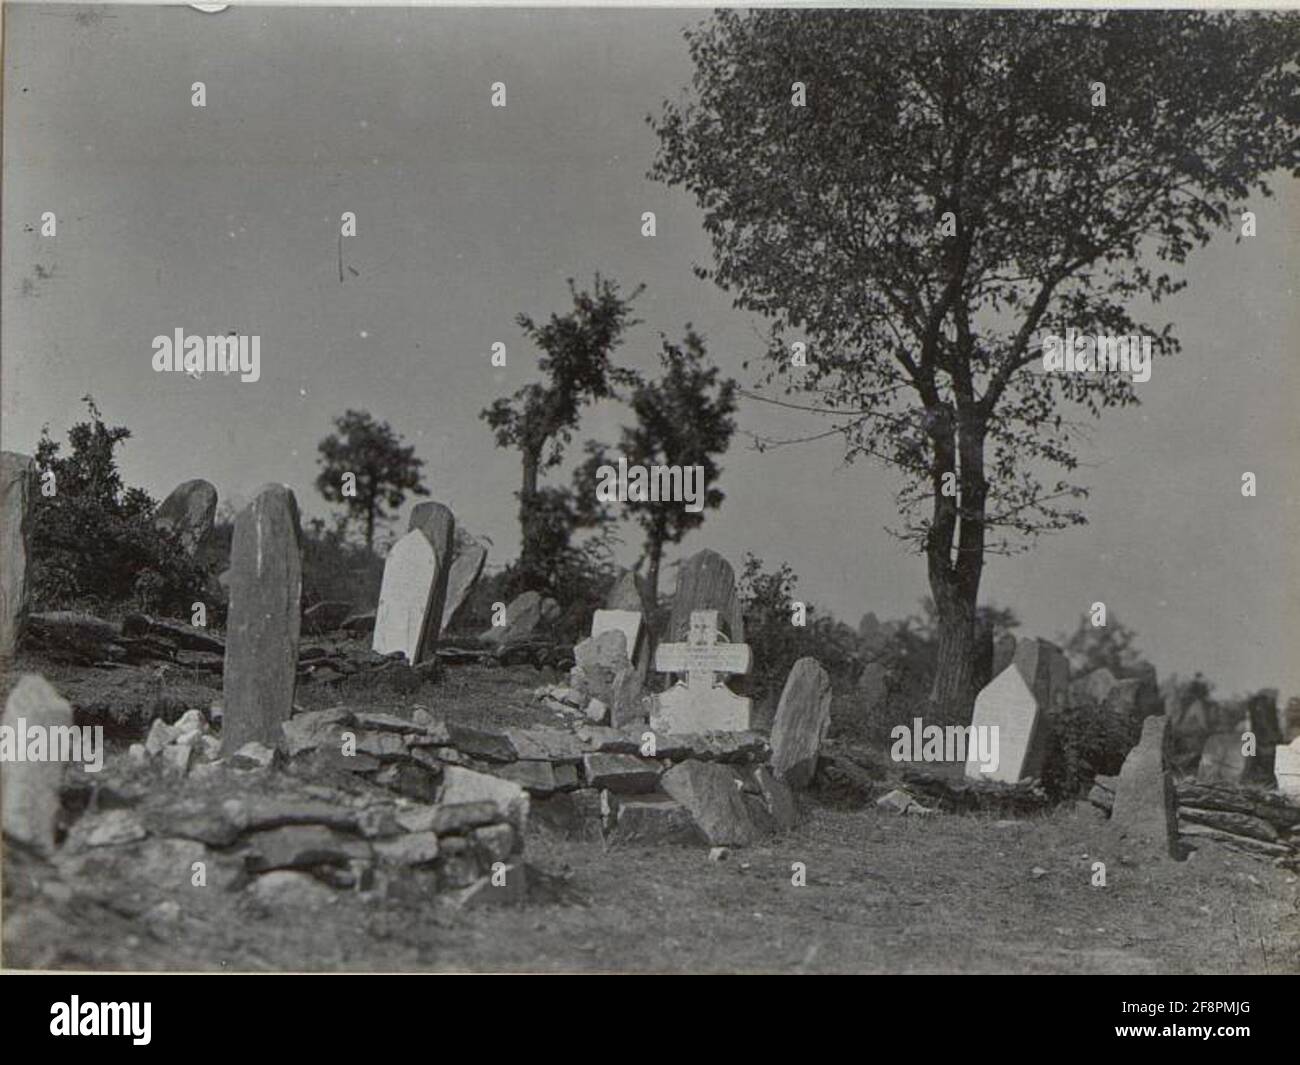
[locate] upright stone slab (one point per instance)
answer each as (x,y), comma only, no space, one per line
(628,622)
(706,581)
(703,703)
(263,624)
(1009,705)
(188,513)
(523,615)
(1286,767)
(439,526)
(467,561)
(1046,671)
(802,718)
(1221,759)
(625,593)
(1004,651)
(1145,809)
(16,477)
(29,791)
(406,596)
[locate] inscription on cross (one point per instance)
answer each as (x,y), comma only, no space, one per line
(703,703)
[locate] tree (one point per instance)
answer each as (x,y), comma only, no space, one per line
(957,185)
(683,420)
(1111,646)
(93,538)
(539,419)
(365,467)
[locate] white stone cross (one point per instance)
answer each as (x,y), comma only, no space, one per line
(703,703)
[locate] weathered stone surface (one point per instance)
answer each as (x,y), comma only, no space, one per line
(802,718)
(703,702)
(290,890)
(406,599)
(488,744)
(460,817)
(537,778)
(263,624)
(1092,689)
(17,473)
(551,744)
(187,513)
(706,581)
(317,728)
(1046,672)
(326,616)
(611,740)
(1004,652)
(709,792)
(1145,807)
(467,560)
(29,791)
(418,782)
(628,622)
(439,526)
(413,849)
(624,774)
(465,785)
(302,847)
(523,615)
(1221,759)
(778,797)
(494,843)
(1008,705)
(654,820)
(112,828)
(625,593)
(1286,768)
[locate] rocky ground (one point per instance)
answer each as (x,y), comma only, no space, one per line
(853,887)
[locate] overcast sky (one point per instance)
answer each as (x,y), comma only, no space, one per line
(226,218)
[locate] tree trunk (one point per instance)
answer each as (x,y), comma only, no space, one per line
(532,463)
(955,583)
(655,554)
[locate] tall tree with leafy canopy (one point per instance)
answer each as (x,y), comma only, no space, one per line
(956,186)
(382,470)
(683,419)
(539,419)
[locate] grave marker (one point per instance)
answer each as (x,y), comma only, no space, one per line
(1009,705)
(406,597)
(265,616)
(16,473)
(703,703)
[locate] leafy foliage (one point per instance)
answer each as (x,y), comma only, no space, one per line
(94,544)
(384,470)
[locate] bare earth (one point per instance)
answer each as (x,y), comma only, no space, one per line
(883,893)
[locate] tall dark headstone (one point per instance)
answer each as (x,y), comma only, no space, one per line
(263,624)
(188,513)
(16,485)
(706,581)
(439,526)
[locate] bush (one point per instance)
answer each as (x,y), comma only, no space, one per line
(94,544)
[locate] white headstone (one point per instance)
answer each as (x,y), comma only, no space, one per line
(29,790)
(1007,704)
(703,703)
(406,596)
(1286,767)
(628,622)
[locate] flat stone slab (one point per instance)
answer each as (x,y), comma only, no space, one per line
(709,792)
(1145,807)
(621,773)
(406,598)
(17,473)
(1008,705)
(654,821)
(802,719)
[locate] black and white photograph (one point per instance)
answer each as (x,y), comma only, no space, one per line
(651,490)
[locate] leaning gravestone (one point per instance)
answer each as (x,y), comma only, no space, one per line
(625,593)
(628,622)
(16,472)
(1009,705)
(706,581)
(405,611)
(29,791)
(1046,671)
(439,525)
(703,703)
(188,512)
(1004,650)
(263,624)
(1145,808)
(802,718)
(467,560)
